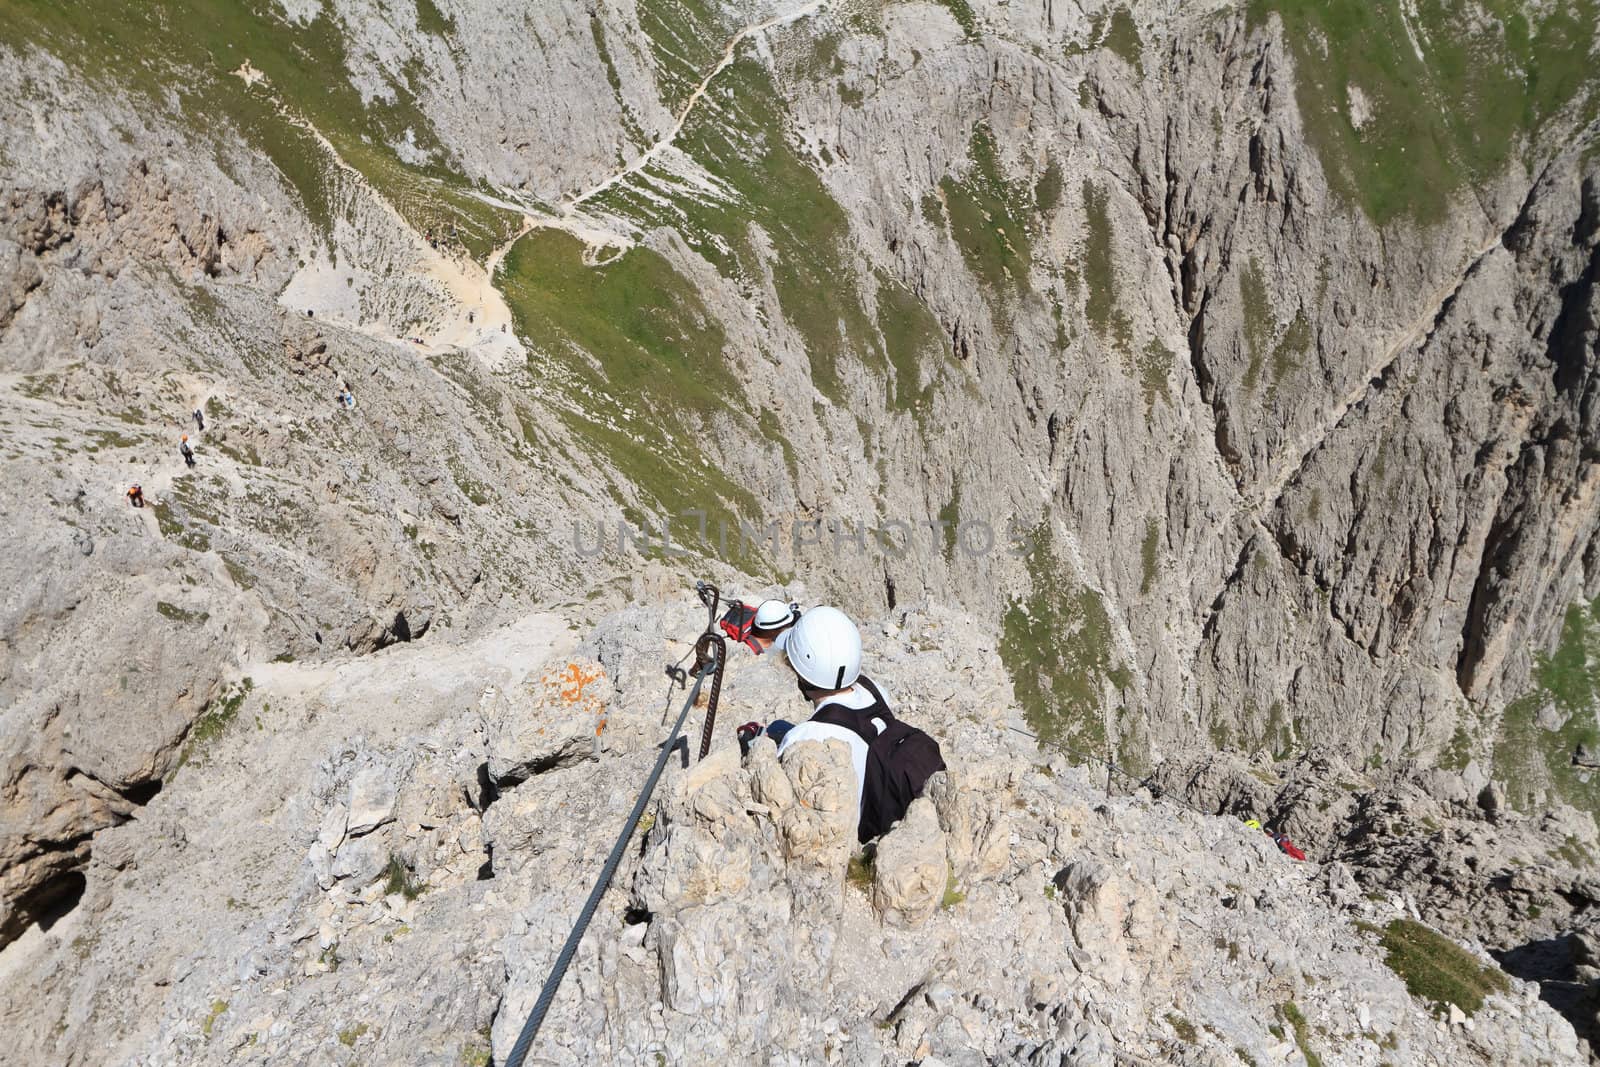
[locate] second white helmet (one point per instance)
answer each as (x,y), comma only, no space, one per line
(773,614)
(824,648)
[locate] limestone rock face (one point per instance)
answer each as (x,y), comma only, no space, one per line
(1064,345)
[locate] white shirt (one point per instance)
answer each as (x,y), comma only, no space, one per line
(856,697)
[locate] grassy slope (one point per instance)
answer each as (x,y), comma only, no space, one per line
(1527,756)
(1491,81)
(1056,644)
(738,134)
(642,358)
(191,48)
(989,217)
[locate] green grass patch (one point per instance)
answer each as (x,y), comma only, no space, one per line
(988,218)
(1056,645)
(241,575)
(1571,674)
(431,20)
(1295,343)
(772,430)
(478,1053)
(659,351)
(952,894)
(1148,549)
(209,1023)
(1302,1032)
(244,453)
(1122,38)
(642,357)
(1183,1028)
(1459,753)
(862,870)
(1047,190)
(1258,321)
(401,879)
(1154,365)
(950,519)
(1530,758)
(962,11)
(177,614)
(39,386)
(915,346)
(1437,970)
(170,521)
(215,719)
(103,439)
(1100,271)
(350,1035)
(1493,82)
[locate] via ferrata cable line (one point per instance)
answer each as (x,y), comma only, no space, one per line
(711,654)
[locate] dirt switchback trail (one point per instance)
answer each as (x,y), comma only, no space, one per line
(694,98)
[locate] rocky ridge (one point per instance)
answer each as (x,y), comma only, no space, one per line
(414,865)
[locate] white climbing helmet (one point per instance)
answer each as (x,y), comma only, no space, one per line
(824,648)
(773,614)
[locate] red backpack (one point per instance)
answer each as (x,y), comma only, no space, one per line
(737,623)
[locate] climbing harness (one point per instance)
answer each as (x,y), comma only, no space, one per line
(710,653)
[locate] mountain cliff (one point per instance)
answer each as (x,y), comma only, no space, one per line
(1232,367)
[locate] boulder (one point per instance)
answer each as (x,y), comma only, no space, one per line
(557,718)
(371,802)
(910,870)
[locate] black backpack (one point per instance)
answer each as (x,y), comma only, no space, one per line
(900,760)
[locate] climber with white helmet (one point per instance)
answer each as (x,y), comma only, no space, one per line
(892,761)
(772,620)
(758,628)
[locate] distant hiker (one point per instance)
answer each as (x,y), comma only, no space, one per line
(892,760)
(1287,847)
(1279,838)
(310,314)
(199,419)
(469,318)
(347,399)
(188,453)
(136,495)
